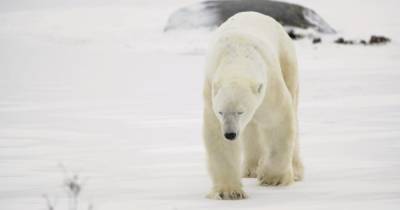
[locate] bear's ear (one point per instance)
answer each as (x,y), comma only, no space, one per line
(258,88)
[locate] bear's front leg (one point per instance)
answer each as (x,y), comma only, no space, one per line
(252,150)
(224,169)
(276,167)
(223,162)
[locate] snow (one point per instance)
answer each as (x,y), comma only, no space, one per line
(98,87)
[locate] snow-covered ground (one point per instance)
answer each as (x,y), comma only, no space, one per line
(97,86)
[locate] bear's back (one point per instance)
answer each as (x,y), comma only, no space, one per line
(270,36)
(258,25)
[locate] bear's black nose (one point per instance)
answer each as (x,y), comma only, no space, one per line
(230,136)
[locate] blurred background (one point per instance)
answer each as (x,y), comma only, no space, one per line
(106,95)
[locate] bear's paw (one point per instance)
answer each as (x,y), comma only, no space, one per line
(283,179)
(227,195)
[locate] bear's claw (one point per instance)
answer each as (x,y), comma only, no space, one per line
(228,195)
(276,180)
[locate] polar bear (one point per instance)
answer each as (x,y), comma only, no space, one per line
(250,105)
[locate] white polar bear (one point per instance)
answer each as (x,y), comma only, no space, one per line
(251,94)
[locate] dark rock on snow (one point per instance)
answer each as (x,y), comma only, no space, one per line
(374,40)
(378,40)
(363,42)
(316,40)
(293,35)
(343,41)
(211,13)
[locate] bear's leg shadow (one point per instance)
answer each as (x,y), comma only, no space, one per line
(275,167)
(223,162)
(252,150)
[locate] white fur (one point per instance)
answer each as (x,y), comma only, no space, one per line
(251,88)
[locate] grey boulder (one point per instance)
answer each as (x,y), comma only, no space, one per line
(211,13)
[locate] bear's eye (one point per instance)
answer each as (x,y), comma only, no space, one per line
(220,113)
(240,113)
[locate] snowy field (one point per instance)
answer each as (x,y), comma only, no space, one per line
(98,87)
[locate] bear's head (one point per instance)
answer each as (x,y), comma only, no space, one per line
(234,105)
